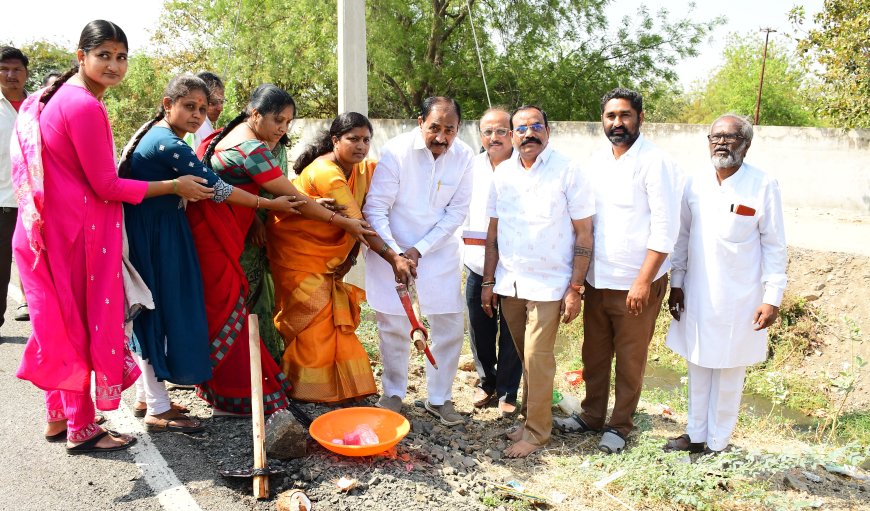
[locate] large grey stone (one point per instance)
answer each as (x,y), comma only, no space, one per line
(285,437)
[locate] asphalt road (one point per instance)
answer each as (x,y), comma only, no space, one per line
(162,473)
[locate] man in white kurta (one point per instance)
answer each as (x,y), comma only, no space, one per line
(418,198)
(727,282)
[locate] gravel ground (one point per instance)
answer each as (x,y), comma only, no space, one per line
(434,467)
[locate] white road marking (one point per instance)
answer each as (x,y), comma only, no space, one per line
(170,491)
(15,293)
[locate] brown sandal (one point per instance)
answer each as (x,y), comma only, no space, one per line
(481,397)
(172,421)
(684,443)
(143,410)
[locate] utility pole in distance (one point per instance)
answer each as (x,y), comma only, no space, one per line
(767,31)
(352,69)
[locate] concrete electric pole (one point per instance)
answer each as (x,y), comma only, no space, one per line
(767,31)
(352,69)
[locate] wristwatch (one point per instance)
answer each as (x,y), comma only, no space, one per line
(580,288)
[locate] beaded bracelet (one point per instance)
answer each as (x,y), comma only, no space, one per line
(331,217)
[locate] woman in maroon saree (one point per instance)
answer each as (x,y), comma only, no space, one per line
(242,155)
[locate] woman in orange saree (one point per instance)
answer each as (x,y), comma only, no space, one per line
(315,311)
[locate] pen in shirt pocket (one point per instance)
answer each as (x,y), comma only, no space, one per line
(740,209)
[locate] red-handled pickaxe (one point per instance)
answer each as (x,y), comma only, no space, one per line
(419,335)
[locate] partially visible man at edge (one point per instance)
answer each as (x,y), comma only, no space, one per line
(727,283)
(637,208)
(13,77)
(417,200)
(213,111)
(538,248)
(492,346)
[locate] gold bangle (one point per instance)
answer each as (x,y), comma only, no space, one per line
(258,203)
(175,186)
(331,217)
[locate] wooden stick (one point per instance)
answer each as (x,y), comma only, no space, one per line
(261,482)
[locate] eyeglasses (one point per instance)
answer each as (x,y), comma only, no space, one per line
(728,138)
(501,132)
(537,128)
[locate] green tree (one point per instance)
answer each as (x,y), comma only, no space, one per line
(840,42)
(44,57)
(787,97)
(561,54)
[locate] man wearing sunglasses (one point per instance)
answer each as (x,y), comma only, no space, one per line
(637,215)
(538,247)
(495,356)
(727,283)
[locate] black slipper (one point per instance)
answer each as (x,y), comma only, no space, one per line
(57,437)
(60,436)
(90,444)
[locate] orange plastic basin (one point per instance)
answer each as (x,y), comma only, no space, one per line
(389,426)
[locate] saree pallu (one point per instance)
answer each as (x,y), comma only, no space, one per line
(219,232)
(316,313)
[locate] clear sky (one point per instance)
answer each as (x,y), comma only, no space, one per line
(61,21)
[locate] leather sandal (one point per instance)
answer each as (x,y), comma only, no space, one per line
(481,397)
(172,421)
(684,443)
(143,410)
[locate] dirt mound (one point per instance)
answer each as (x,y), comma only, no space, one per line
(837,285)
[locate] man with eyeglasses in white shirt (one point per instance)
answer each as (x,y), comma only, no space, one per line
(637,219)
(495,356)
(538,247)
(727,283)
(418,198)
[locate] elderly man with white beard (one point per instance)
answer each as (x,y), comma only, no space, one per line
(727,283)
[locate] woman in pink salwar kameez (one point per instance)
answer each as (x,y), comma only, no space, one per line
(68,242)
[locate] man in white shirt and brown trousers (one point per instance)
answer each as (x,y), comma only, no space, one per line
(727,283)
(637,209)
(538,247)
(418,198)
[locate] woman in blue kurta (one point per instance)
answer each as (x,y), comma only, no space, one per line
(173,338)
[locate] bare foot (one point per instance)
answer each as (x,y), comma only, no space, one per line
(107,441)
(521,449)
(55,427)
(516,435)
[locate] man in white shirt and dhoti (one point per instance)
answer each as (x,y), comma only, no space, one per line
(538,247)
(727,282)
(637,206)
(418,198)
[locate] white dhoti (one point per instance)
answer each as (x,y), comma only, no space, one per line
(714,403)
(446,334)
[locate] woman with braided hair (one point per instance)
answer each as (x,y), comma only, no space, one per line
(172,339)
(68,242)
(241,154)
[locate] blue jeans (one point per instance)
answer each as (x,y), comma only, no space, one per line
(499,369)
